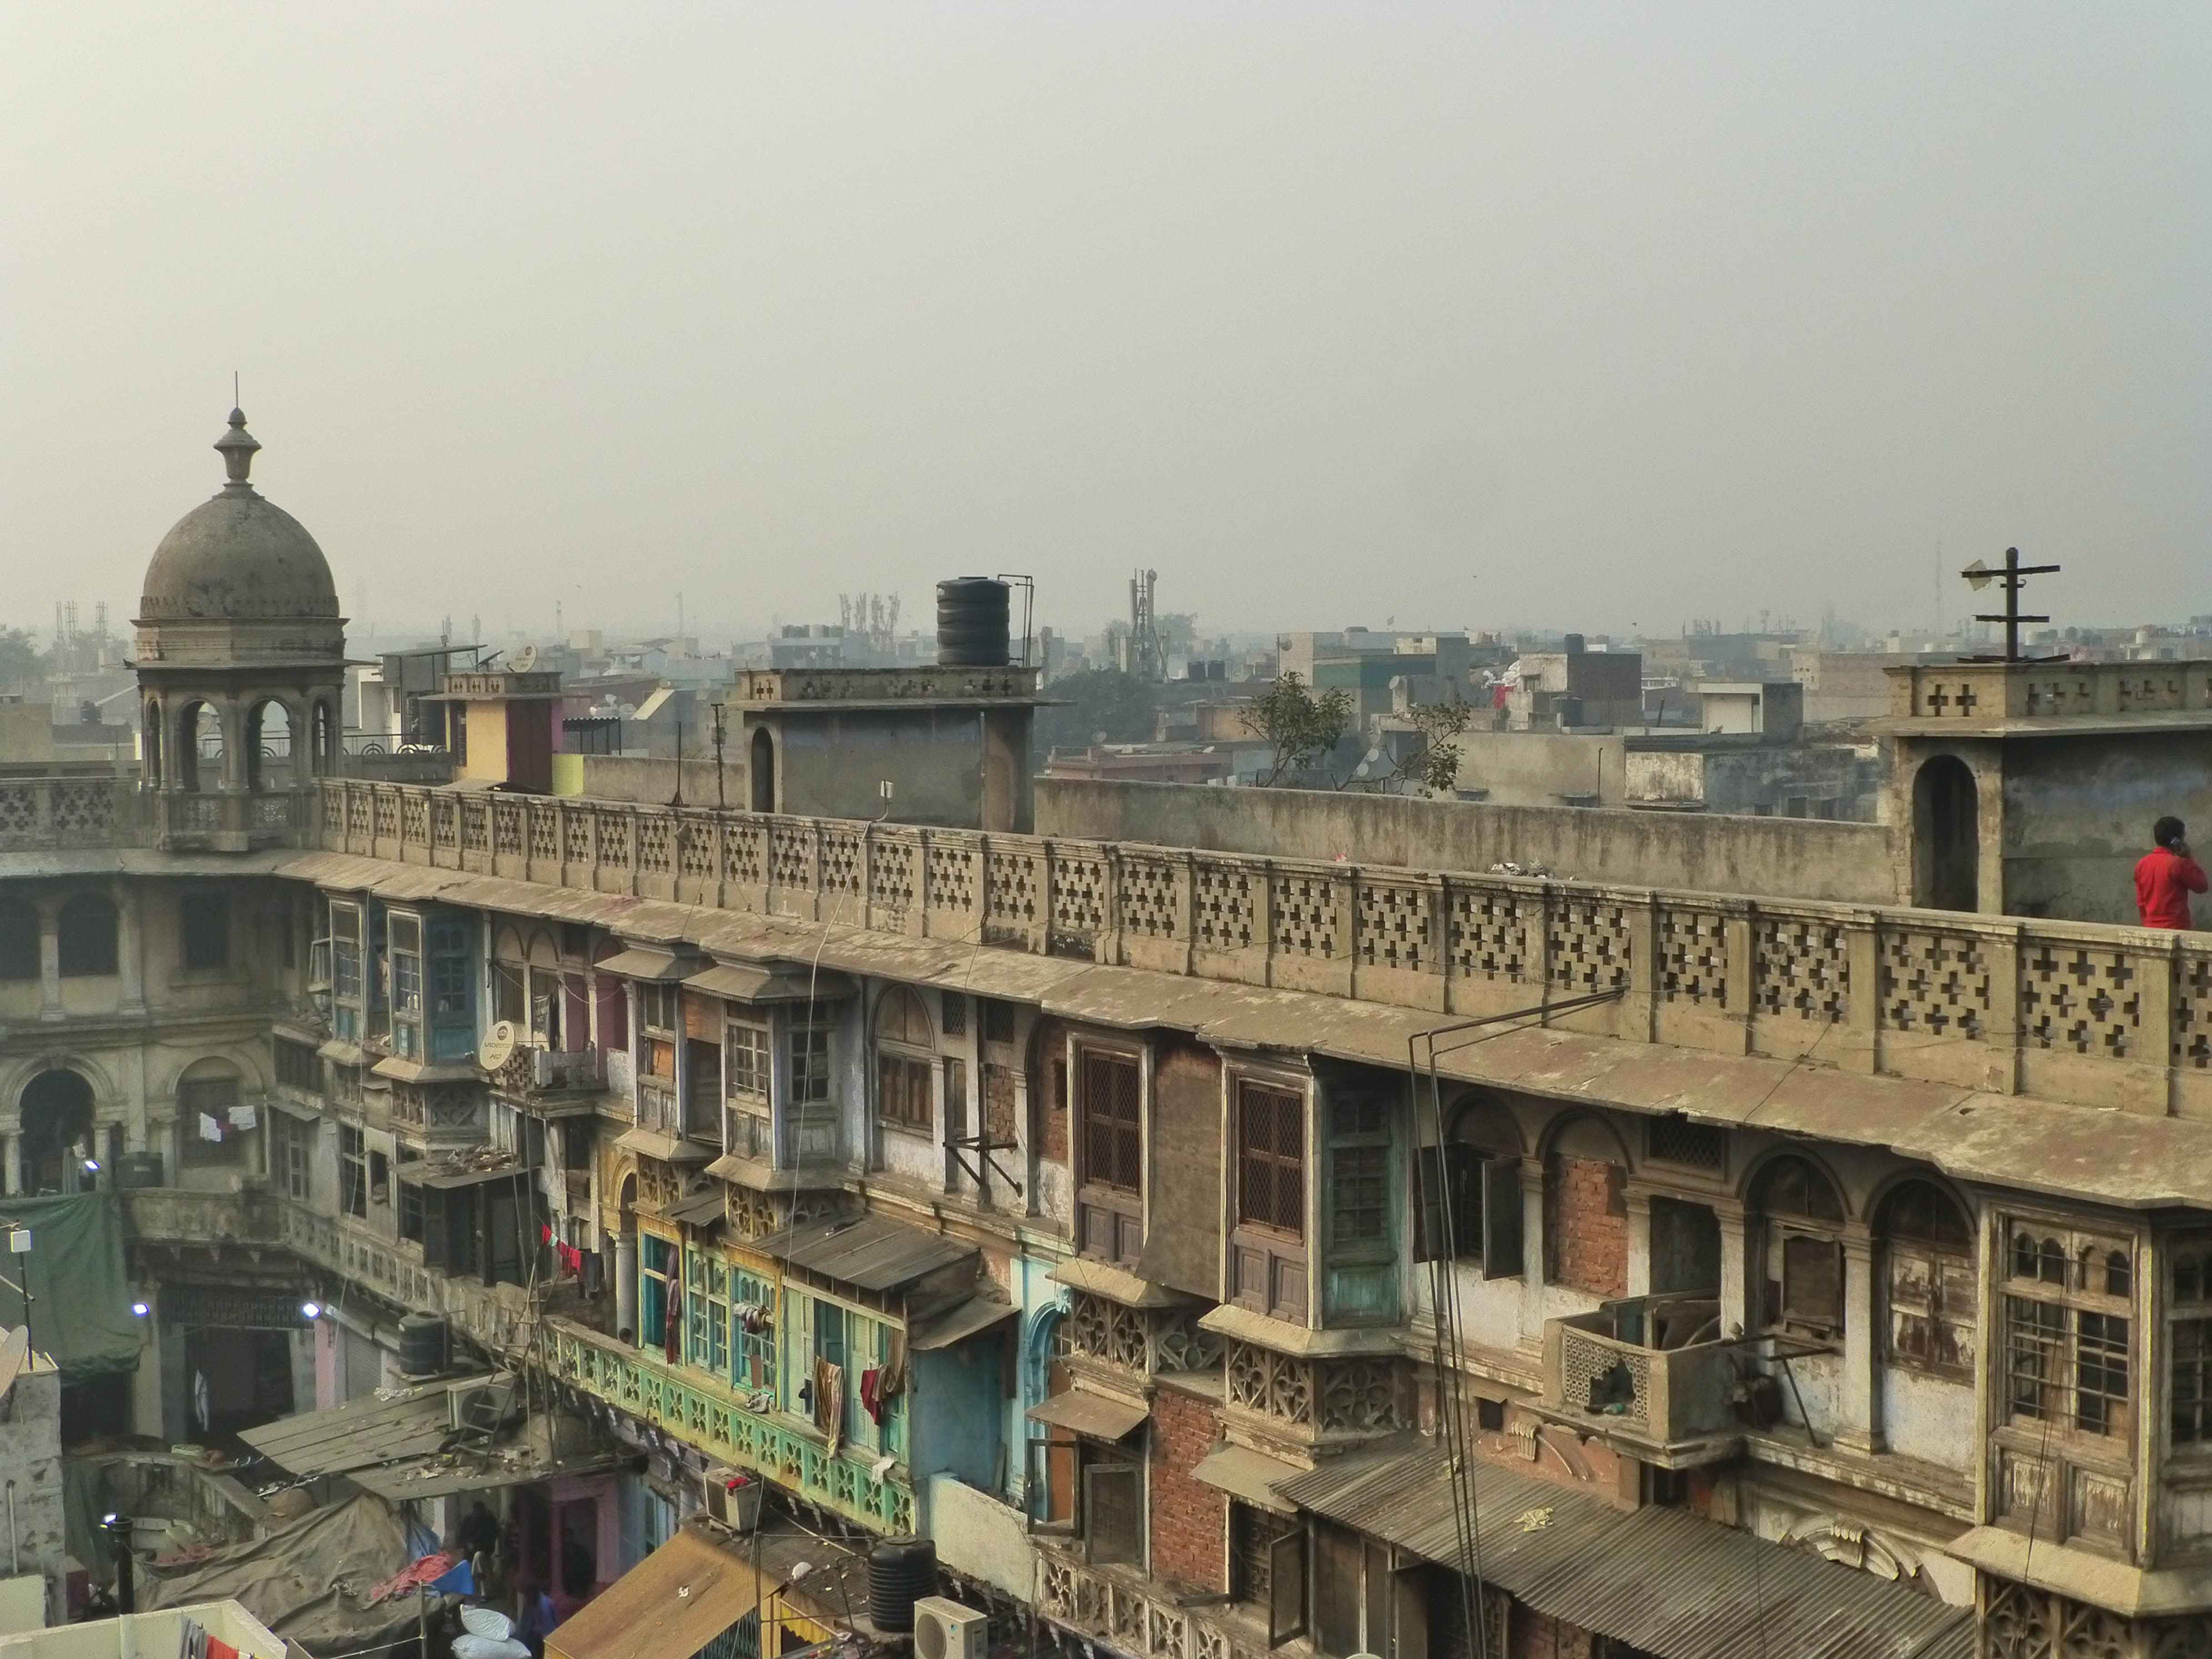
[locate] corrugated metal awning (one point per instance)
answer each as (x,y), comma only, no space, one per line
(641,962)
(669,1149)
(445,1179)
(697,1210)
(1249,1475)
(975,1315)
(875,1253)
(675,1600)
(1661,1580)
(1095,1416)
(361,1433)
(779,981)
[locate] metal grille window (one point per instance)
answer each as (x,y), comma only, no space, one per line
(1271,1158)
(1113,1150)
(998,1020)
(956,1014)
(1675,1139)
(2067,1331)
(744,1061)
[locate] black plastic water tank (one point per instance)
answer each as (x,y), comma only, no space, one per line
(901,1572)
(137,1170)
(972,623)
(422,1344)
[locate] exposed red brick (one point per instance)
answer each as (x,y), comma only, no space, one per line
(1189,1519)
(1588,1214)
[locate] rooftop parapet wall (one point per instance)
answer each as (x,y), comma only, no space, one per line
(1982,692)
(1793,858)
(921,684)
(41,814)
(2081,1013)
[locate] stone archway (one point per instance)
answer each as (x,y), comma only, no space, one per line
(56,1113)
(273,745)
(1946,836)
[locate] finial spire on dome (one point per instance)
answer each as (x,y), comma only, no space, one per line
(237,447)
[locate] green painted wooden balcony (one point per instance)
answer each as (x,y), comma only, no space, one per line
(701,1412)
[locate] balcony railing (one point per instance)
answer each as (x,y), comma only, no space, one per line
(50,812)
(702,1414)
(1656,1370)
(2083,1011)
(175,1215)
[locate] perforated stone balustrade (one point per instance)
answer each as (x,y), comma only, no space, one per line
(2080,1011)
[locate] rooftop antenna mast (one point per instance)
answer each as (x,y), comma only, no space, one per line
(2013,574)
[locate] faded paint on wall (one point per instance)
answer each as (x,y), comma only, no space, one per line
(1848,863)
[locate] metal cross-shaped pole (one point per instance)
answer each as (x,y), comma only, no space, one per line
(2013,574)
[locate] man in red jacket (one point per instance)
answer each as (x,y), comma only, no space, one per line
(2165,877)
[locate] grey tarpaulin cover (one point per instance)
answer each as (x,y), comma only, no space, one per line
(80,1298)
(307,1582)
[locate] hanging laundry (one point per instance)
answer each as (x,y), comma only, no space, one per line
(671,1335)
(893,1383)
(871,1402)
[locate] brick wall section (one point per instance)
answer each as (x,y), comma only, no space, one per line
(1189,1519)
(1589,1226)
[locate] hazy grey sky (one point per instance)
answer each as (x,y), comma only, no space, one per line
(1474,314)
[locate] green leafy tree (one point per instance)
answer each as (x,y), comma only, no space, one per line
(21,663)
(1433,762)
(1303,729)
(1097,705)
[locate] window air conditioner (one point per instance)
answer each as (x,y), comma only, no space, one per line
(944,1629)
(731,1496)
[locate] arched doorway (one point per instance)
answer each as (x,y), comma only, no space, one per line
(198,745)
(150,725)
(57,1117)
(269,745)
(762,769)
(1947,837)
(626,1309)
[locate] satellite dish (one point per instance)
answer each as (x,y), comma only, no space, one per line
(1979,574)
(14,1357)
(524,659)
(498,1048)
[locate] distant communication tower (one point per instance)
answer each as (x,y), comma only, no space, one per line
(1147,656)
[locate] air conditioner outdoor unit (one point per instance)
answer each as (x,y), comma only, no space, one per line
(481,1407)
(732,1496)
(944,1629)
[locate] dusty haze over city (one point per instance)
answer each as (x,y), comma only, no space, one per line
(1553,315)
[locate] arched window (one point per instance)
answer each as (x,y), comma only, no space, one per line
(762,768)
(208,1101)
(19,939)
(1928,1271)
(1802,1215)
(198,742)
(1470,1189)
(904,1041)
(57,1120)
(1947,850)
(271,743)
(87,937)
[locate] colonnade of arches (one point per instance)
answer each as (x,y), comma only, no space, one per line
(195,742)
